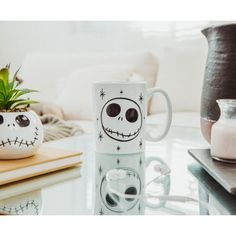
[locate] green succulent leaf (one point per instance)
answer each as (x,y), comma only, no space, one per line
(13,83)
(4,77)
(9,104)
(10,95)
(21,92)
(1,104)
(2,94)
(25,102)
(2,86)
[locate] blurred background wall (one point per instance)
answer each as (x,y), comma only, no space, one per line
(180,47)
(19,38)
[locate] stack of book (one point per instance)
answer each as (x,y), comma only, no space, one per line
(47,159)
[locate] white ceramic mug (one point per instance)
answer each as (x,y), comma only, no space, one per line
(128,173)
(120,113)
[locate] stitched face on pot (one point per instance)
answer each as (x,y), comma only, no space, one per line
(19,129)
(121,119)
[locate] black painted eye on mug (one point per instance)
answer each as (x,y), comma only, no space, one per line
(131,115)
(1,119)
(22,121)
(113,110)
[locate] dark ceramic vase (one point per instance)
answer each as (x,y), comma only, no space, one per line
(220,73)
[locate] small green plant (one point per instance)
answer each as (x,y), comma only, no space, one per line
(10,94)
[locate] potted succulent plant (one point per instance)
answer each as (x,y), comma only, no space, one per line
(21,131)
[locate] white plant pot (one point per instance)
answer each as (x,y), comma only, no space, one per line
(21,134)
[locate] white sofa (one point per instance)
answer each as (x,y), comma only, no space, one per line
(66,79)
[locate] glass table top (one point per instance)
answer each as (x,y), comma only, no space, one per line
(80,190)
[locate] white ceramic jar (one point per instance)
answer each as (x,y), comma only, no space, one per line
(21,134)
(223,134)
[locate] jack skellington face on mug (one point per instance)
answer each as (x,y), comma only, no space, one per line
(121,119)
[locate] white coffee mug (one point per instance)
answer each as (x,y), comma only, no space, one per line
(118,175)
(120,113)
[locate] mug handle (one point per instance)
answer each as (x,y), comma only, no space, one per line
(165,181)
(150,93)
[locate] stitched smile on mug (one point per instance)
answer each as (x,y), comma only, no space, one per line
(121,119)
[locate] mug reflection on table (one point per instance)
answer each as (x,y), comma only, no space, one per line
(121,184)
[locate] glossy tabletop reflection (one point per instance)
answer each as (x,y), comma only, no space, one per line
(73,191)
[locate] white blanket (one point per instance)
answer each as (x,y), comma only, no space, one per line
(56,128)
